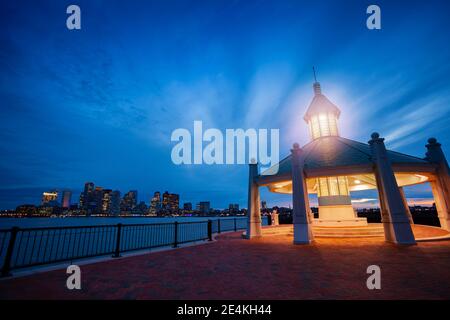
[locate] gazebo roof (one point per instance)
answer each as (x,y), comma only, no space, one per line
(321,104)
(334,151)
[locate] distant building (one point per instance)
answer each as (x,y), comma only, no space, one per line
(174,202)
(26,210)
(106,201)
(165,200)
(49,196)
(115,203)
(263,205)
(187,206)
(233,207)
(141,208)
(87,196)
(66,196)
(155,203)
(129,201)
(96,204)
(171,201)
(204,207)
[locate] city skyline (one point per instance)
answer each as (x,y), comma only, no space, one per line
(64,198)
(100,104)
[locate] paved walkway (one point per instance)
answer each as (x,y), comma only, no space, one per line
(267,268)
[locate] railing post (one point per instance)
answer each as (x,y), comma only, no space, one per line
(209,230)
(119,234)
(218,225)
(7,264)
(175,240)
(235,227)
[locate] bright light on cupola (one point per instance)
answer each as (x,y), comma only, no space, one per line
(323,125)
(322,115)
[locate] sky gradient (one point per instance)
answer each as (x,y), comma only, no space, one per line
(99,104)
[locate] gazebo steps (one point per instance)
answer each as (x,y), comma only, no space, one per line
(372,230)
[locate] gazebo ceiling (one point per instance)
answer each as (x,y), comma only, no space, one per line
(334,156)
(356,182)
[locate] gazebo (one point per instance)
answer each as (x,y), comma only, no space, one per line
(332,166)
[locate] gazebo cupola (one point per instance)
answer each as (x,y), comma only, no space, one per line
(322,115)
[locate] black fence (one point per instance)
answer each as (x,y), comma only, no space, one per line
(29,247)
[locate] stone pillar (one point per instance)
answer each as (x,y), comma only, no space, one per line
(301,210)
(253,213)
(397,227)
(442,205)
(388,232)
(440,186)
(405,203)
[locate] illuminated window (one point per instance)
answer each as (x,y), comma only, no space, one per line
(323,187)
(332,123)
(343,186)
(323,125)
(332,186)
(315,128)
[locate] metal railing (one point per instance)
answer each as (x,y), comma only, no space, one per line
(29,247)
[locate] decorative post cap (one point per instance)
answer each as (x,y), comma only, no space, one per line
(433,141)
(375,138)
(434,152)
(433,144)
(253,161)
(296,149)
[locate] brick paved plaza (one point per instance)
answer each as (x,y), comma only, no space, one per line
(267,268)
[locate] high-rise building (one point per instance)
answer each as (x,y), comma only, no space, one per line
(174,202)
(204,207)
(86,196)
(49,196)
(115,203)
(165,200)
(129,201)
(187,206)
(96,203)
(106,200)
(171,201)
(155,203)
(66,196)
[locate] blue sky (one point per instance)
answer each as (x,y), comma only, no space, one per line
(100,104)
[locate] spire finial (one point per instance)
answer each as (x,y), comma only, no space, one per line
(316,85)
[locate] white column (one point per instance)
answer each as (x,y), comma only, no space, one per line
(385,219)
(441,185)
(442,205)
(405,203)
(300,214)
(253,213)
(396,224)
